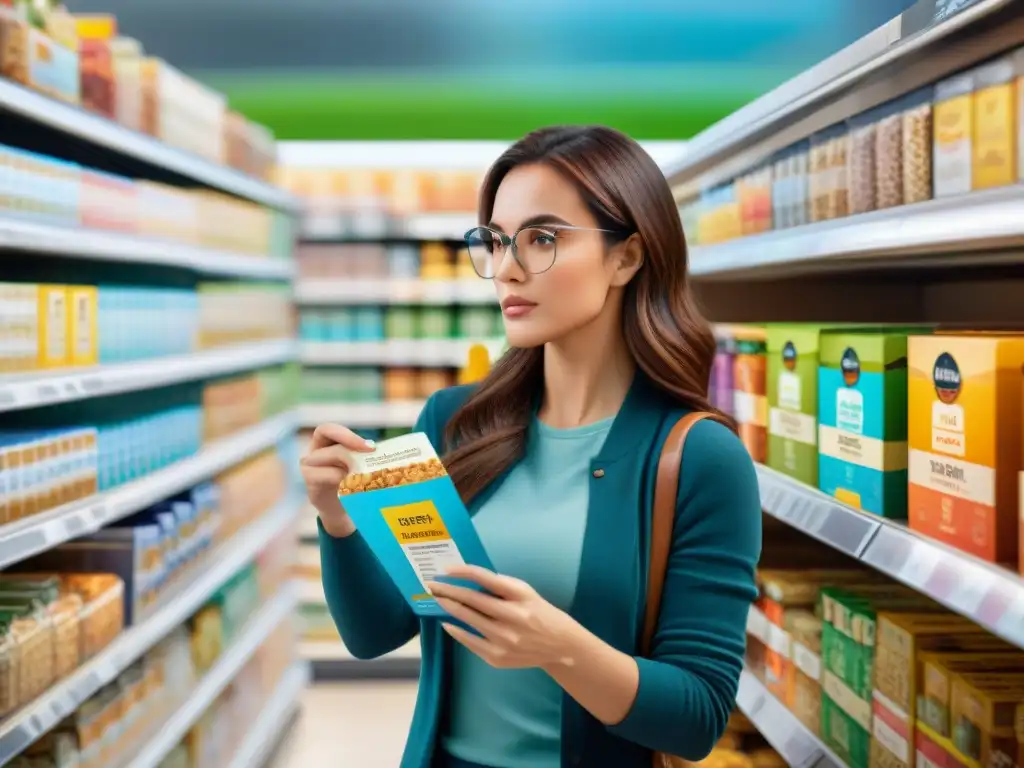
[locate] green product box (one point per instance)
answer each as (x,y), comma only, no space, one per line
(401,323)
(844,735)
(793,400)
(437,322)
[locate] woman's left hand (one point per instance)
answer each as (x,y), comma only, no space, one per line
(519,628)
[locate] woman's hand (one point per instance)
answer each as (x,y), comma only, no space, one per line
(323,469)
(519,628)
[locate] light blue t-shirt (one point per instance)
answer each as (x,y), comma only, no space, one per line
(532,528)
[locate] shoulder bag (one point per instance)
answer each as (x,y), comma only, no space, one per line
(663,518)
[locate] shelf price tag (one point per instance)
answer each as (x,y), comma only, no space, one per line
(918,567)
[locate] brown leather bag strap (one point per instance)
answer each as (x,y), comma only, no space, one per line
(663,518)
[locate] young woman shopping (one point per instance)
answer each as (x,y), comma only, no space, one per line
(556,455)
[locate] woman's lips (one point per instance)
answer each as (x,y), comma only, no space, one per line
(518,310)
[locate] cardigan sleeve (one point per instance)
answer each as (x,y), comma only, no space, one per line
(688,685)
(370,613)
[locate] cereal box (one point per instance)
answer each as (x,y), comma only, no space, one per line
(964,435)
(411,516)
(862,411)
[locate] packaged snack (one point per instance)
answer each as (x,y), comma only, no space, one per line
(953,118)
(994,145)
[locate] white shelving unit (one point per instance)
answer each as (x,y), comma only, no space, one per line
(26,725)
(954,260)
(21,540)
(376,292)
(78,124)
(270,616)
(395,413)
(451,353)
(29,243)
(96,245)
(43,388)
(273,721)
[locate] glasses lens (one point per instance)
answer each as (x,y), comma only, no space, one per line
(535,248)
(485,250)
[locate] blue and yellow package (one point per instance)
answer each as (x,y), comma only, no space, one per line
(408,511)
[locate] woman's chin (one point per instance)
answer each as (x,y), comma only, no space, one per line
(523,338)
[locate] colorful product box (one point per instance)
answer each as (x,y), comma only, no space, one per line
(54,321)
(862,408)
(750,390)
(19,327)
(721,389)
(965,404)
(83,325)
(793,352)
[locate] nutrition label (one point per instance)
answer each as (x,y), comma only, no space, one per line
(424,538)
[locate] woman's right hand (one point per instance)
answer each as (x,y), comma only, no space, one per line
(323,469)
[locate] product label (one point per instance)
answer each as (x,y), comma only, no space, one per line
(807,661)
(424,538)
(411,516)
(850,411)
(953,155)
(793,426)
(790,391)
(82,325)
(953,477)
(56,328)
(749,408)
(858,709)
(862,451)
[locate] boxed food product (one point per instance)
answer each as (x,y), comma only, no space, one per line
(793,357)
(83,325)
(39,59)
(938,669)
(862,432)
(799,196)
(901,639)
(126,62)
(994,145)
(982,712)
(54,322)
(953,118)
(720,391)
(964,434)
(97,77)
(19,327)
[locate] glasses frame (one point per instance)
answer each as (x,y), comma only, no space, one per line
(510,240)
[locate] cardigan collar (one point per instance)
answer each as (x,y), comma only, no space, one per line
(640,416)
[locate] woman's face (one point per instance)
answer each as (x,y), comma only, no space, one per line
(575,288)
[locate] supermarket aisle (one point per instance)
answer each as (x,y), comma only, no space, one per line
(351,724)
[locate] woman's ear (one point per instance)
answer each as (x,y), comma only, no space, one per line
(629,257)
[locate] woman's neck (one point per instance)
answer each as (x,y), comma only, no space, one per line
(587,374)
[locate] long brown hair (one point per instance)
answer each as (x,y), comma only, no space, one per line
(669,339)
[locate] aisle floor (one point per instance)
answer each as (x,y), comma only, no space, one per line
(350,725)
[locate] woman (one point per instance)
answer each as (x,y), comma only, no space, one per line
(555,454)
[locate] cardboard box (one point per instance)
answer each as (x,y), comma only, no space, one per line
(862,410)
(964,434)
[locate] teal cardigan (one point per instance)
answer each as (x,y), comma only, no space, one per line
(688,685)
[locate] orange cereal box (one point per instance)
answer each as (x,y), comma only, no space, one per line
(965,403)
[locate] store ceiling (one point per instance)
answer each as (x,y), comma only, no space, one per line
(406,69)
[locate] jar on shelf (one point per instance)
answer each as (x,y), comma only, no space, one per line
(889,156)
(862,164)
(917,146)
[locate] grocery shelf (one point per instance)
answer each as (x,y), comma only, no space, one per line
(992,597)
(28,724)
(231,661)
(272,722)
(80,243)
(976,228)
(371,224)
(449,353)
(21,540)
(42,388)
(394,291)
(332,661)
(397,413)
(924,44)
(797,745)
(311,591)
(98,131)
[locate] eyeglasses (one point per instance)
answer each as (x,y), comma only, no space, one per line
(534,248)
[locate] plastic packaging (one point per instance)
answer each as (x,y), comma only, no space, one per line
(862,163)
(889,157)
(917,147)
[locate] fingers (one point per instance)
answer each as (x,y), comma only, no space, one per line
(333,455)
(477,645)
(502,586)
(485,626)
(335,434)
(484,604)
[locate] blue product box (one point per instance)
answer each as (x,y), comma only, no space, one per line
(411,516)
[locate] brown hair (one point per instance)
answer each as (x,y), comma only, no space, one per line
(666,334)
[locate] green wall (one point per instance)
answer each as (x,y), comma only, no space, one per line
(652,107)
